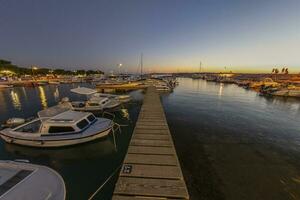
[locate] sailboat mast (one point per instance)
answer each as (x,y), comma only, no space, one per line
(200,67)
(141,64)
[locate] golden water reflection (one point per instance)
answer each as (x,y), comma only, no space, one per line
(221,90)
(43,97)
(15,100)
(56,94)
(124,113)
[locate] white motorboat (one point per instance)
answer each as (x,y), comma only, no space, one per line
(54,82)
(288,91)
(94,104)
(5,86)
(12,122)
(20,180)
(265,82)
(54,130)
(121,98)
(162,86)
(97,101)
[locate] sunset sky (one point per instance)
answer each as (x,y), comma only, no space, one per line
(174,35)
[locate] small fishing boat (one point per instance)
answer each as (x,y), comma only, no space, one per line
(93,104)
(197,76)
(288,91)
(118,84)
(243,83)
(5,86)
(226,80)
(264,82)
(21,180)
(12,122)
(41,83)
(162,87)
(54,82)
(120,98)
(58,126)
(211,78)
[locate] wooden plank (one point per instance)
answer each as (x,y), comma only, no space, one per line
(151,137)
(152,120)
(151,116)
(151,127)
(151,171)
(151,123)
(154,143)
(151,187)
(151,159)
(150,131)
(124,197)
(151,150)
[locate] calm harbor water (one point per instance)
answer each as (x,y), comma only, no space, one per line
(84,167)
(231,142)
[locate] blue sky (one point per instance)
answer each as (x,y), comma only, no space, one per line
(174,35)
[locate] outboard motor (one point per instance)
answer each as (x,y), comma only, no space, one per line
(65,99)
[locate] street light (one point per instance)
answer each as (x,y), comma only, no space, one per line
(32,70)
(119,66)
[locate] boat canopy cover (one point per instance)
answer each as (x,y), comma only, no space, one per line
(84,91)
(28,181)
(54,110)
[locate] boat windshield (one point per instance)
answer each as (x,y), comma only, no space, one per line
(82,124)
(32,127)
(91,118)
(93,104)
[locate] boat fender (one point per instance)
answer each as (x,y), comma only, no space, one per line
(81,105)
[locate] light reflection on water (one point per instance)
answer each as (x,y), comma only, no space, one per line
(56,94)
(97,159)
(233,143)
(221,89)
(15,100)
(43,97)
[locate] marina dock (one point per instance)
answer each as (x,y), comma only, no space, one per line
(120,87)
(151,168)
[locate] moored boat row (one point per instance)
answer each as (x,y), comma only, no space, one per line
(263,85)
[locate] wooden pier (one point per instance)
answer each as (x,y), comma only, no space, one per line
(151,169)
(120,87)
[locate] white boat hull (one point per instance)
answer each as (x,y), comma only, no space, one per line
(87,109)
(287,93)
(30,181)
(39,142)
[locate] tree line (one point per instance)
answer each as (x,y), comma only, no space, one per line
(6,65)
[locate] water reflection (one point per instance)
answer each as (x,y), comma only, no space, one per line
(24,92)
(56,94)
(15,100)
(221,90)
(90,150)
(43,98)
(124,113)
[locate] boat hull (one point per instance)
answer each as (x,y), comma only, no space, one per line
(287,93)
(87,109)
(30,181)
(52,142)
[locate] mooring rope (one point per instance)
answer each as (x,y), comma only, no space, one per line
(104,183)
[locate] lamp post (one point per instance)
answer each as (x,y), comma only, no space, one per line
(32,70)
(119,67)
